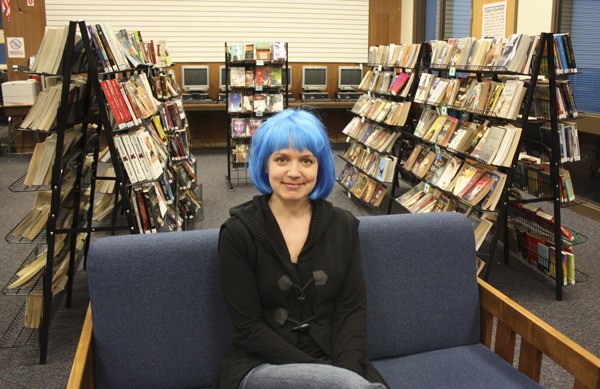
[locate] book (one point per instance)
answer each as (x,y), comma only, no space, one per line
(237,76)
(421,167)
(236,52)
(263,51)
(398,83)
(488,145)
(437,91)
(452,167)
(481,228)
(278,51)
(464,177)
(234,102)
(448,128)
(425,83)
(481,188)
(262,75)
(149,151)
(508,147)
(238,127)
(435,128)
(133,158)
(493,196)
(410,161)
(125,159)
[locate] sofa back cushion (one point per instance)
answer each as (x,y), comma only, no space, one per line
(160,322)
(421,283)
(157,311)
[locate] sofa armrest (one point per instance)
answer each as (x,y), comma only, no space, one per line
(537,339)
(82,372)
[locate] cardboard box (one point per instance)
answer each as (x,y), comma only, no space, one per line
(20,92)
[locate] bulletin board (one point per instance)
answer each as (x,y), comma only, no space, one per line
(507,10)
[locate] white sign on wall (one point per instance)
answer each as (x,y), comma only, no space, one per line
(15,47)
(493,23)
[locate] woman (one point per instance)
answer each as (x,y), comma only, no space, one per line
(290,269)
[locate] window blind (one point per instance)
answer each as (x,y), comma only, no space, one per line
(195,30)
(431,19)
(457,19)
(580,18)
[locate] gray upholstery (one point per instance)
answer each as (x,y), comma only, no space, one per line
(159,320)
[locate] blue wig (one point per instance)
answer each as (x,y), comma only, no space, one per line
(297,129)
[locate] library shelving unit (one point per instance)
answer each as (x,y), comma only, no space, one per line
(253,91)
(475,176)
(550,182)
(64,208)
(67,203)
(181,167)
(384,109)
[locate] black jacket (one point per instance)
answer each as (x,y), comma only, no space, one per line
(267,297)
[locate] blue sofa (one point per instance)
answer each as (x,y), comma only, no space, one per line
(159,320)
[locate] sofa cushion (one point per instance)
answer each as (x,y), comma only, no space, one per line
(158,315)
(473,366)
(421,289)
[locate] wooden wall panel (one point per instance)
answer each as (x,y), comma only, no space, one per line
(28,23)
(384,21)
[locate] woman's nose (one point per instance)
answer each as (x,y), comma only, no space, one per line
(293,170)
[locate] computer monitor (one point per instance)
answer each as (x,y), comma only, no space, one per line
(194,78)
(222,78)
(349,77)
(314,78)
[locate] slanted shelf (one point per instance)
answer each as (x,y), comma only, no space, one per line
(549,144)
(254,90)
(181,184)
(374,132)
(59,172)
(116,84)
(462,151)
(476,97)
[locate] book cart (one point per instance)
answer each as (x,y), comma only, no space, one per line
(69,217)
(438,192)
(253,91)
(71,196)
(551,185)
(384,109)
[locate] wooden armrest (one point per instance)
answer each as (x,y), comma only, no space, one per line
(537,339)
(82,372)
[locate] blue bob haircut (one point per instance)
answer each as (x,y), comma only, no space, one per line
(297,129)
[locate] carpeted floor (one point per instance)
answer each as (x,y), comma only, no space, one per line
(576,316)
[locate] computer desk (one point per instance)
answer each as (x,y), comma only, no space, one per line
(13,111)
(319,104)
(208,121)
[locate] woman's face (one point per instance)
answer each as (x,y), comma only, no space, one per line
(292,174)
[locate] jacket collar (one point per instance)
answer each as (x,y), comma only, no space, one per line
(260,222)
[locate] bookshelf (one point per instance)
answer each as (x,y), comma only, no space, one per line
(373,133)
(483,136)
(253,91)
(64,199)
(460,150)
(149,119)
(555,60)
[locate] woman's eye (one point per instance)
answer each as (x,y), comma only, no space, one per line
(307,161)
(280,159)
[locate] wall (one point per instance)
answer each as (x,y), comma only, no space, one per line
(385,17)
(27,22)
(534,17)
(195,31)
(406,23)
